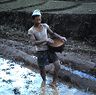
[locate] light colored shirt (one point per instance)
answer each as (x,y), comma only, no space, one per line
(42,35)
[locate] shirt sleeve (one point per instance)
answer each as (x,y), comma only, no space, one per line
(46,25)
(30,31)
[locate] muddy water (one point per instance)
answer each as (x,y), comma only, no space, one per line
(17,80)
(79,73)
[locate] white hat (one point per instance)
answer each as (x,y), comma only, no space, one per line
(36,12)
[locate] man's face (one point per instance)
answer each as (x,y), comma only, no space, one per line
(37,20)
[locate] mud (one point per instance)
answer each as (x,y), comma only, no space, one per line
(75,26)
(80,32)
(18,80)
(67,75)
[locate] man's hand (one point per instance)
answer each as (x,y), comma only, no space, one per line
(50,41)
(63,38)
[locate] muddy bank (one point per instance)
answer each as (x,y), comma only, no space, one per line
(66,75)
(74,61)
(77,55)
(70,59)
(76,26)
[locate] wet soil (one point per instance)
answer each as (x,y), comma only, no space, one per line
(16,30)
(75,50)
(18,80)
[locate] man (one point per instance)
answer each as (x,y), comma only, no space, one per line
(39,37)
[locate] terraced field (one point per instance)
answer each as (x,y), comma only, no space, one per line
(52,6)
(74,19)
(15,4)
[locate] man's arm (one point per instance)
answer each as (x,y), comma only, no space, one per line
(56,35)
(40,42)
(33,41)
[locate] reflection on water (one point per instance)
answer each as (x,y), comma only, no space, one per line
(17,80)
(81,74)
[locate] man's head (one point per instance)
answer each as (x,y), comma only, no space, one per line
(37,19)
(36,15)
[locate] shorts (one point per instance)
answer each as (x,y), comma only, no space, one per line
(46,57)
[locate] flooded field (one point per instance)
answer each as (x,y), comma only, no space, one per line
(79,73)
(18,80)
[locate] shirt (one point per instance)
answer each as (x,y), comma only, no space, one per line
(42,35)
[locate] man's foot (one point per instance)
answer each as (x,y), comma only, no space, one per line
(53,84)
(43,88)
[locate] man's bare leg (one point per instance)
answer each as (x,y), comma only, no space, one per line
(56,71)
(43,75)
